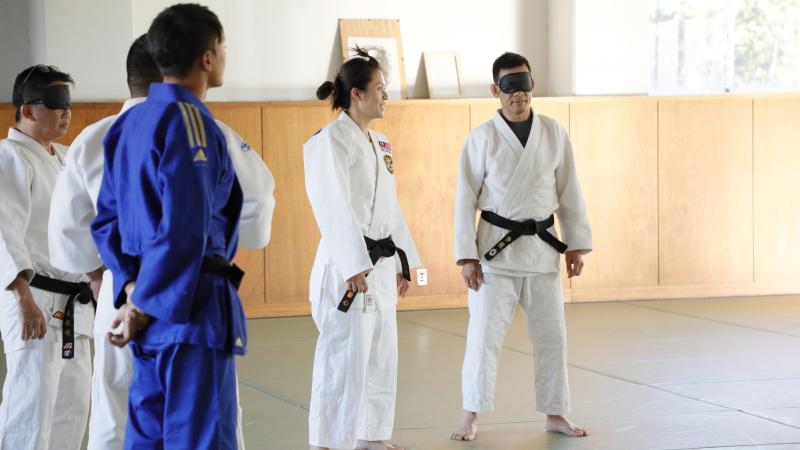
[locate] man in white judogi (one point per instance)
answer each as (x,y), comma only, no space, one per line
(519,170)
(351,187)
(45,333)
(72,247)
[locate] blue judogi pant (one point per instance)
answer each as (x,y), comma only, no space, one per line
(182,396)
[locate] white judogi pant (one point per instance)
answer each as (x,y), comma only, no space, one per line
(354,384)
(491,310)
(45,398)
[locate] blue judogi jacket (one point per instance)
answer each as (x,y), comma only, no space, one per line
(170,198)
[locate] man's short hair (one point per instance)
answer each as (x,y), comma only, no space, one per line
(180,35)
(30,83)
(142,69)
(508,60)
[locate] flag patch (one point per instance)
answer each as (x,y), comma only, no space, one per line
(385,147)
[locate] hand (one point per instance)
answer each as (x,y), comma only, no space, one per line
(132,320)
(472,273)
(402,285)
(574,263)
(31,318)
(358,283)
(129,289)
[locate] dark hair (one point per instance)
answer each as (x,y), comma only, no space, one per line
(356,72)
(30,83)
(142,69)
(180,34)
(508,60)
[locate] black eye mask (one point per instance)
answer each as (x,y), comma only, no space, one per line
(515,82)
(55,97)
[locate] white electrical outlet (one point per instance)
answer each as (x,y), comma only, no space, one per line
(422,277)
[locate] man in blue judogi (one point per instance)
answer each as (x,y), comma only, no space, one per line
(167,228)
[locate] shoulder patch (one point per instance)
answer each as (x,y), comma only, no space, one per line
(193,122)
(245,147)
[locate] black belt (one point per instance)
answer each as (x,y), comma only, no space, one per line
(221,266)
(383,248)
(517,229)
(76,291)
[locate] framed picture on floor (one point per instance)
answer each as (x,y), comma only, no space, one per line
(381,39)
(443,73)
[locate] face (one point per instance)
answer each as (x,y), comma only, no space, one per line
(371,102)
(516,103)
(47,124)
(215,62)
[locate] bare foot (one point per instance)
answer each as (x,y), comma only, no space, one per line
(468,429)
(560,424)
(376,445)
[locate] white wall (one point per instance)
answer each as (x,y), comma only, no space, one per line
(561,51)
(612,47)
(283,49)
(15,43)
(599,47)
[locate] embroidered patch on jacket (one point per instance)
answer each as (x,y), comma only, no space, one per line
(193,122)
(200,156)
(246,147)
(387,159)
(385,147)
(59,315)
(239,342)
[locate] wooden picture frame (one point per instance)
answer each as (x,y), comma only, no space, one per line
(443,74)
(381,38)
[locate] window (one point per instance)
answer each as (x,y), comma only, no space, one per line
(711,46)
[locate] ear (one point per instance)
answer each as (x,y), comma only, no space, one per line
(355,94)
(26,111)
(206,61)
(495,90)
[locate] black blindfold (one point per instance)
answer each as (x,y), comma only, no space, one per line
(515,82)
(55,97)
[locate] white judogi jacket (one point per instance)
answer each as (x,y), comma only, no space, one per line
(497,174)
(350,185)
(72,247)
(27,178)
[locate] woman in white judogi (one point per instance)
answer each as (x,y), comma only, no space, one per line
(519,170)
(46,389)
(72,246)
(353,290)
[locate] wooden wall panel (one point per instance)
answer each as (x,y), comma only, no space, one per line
(294,232)
(776,161)
(87,114)
(83,115)
(484,109)
(426,143)
(705,191)
(6,120)
(725,167)
(246,121)
(616,148)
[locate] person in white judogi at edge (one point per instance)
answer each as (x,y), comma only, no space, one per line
(518,169)
(362,265)
(73,249)
(45,313)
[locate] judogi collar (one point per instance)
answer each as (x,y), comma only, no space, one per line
(131,102)
(170,93)
(344,117)
(28,142)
